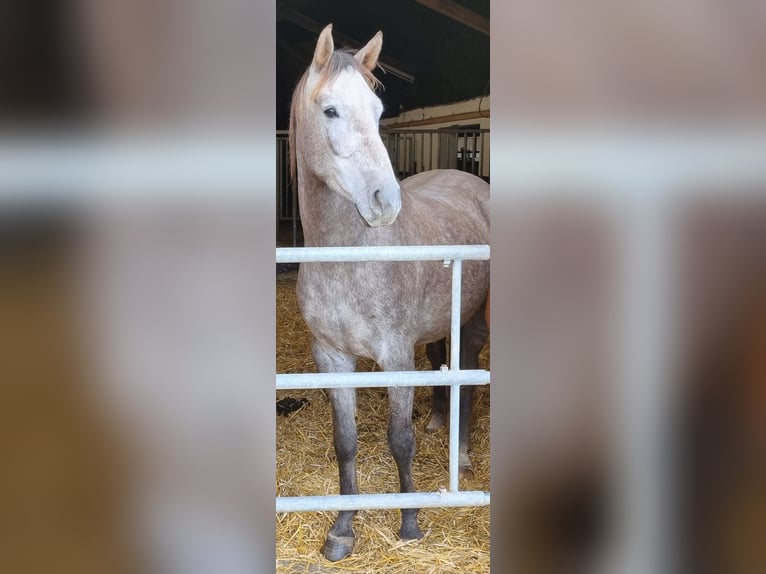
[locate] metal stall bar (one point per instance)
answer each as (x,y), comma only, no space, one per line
(454,367)
(402,145)
(298,381)
(382,253)
(379,501)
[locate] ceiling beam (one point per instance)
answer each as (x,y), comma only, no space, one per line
(390,65)
(459,14)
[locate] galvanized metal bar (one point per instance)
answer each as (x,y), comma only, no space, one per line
(454,437)
(381,253)
(295,381)
(454,367)
(390,500)
(457,280)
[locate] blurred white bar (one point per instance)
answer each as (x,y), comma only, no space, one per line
(671,159)
(76,163)
(133,166)
(641,415)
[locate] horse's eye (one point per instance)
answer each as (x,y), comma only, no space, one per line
(331,113)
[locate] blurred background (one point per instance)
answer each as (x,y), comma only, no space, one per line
(131,330)
(632,294)
(133,317)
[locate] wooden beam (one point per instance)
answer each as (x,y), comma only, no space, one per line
(438,120)
(459,14)
(390,65)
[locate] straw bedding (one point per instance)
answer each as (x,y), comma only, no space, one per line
(456,539)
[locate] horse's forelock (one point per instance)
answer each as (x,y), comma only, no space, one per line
(339,61)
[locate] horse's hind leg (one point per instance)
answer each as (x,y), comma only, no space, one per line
(401,441)
(340,539)
(473,336)
(437,355)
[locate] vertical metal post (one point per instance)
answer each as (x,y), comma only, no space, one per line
(464,137)
(422,152)
(431,151)
(454,365)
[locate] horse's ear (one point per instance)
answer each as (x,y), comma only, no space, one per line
(324,48)
(368,56)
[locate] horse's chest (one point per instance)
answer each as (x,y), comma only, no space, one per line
(341,308)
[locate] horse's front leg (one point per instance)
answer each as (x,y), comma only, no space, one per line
(437,356)
(401,441)
(340,539)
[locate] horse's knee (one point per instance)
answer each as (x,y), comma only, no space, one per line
(345,447)
(401,441)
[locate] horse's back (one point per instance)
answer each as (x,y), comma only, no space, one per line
(447,194)
(435,182)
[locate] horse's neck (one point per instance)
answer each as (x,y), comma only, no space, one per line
(327,218)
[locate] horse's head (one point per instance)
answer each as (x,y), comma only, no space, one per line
(334,129)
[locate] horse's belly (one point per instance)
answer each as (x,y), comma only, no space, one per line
(370,318)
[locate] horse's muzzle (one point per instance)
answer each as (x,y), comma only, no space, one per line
(385,204)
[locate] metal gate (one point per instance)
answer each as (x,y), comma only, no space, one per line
(463,148)
(451,255)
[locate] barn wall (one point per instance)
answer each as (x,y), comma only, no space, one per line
(416,145)
(467,112)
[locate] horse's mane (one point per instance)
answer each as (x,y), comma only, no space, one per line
(339,61)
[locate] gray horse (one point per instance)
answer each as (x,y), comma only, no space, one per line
(348,196)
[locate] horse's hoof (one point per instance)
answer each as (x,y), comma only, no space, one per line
(465,472)
(434,424)
(410,533)
(337,547)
